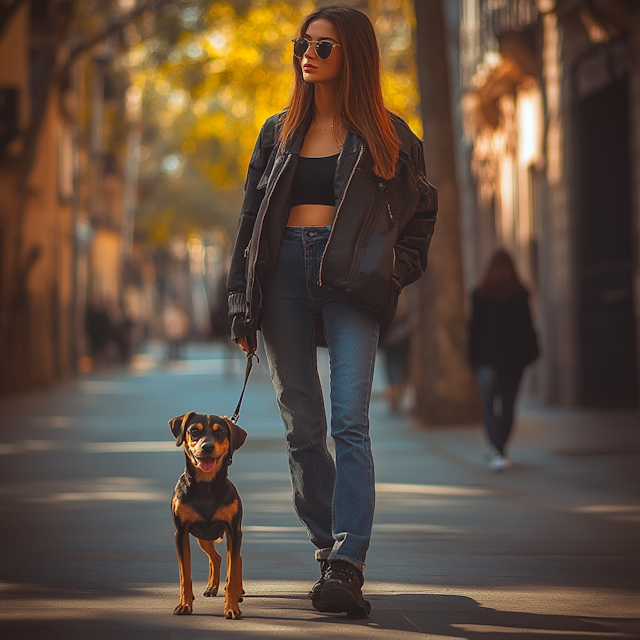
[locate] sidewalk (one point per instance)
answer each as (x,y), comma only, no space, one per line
(548,549)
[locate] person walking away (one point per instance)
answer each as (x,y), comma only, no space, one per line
(337,218)
(176,326)
(502,342)
(397,354)
(99,330)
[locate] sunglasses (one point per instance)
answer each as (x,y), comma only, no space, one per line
(324,48)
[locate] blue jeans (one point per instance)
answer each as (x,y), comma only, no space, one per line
(498,390)
(335,501)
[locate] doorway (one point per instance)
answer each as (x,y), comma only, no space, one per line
(607,360)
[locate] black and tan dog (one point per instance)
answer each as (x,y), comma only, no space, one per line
(206,505)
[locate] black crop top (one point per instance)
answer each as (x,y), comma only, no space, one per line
(313,181)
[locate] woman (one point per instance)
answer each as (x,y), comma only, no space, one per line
(337,218)
(502,342)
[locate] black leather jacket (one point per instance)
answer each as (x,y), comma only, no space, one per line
(381,229)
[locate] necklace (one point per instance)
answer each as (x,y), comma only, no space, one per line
(336,139)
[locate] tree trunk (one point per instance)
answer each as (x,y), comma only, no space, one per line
(446,392)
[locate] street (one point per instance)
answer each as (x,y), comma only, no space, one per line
(549,548)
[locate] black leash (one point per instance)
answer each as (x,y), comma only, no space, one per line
(250,356)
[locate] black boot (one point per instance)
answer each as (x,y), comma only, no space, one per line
(314,594)
(342,591)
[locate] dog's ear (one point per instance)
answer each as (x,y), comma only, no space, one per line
(238,435)
(178,425)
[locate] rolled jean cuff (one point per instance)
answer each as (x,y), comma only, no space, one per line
(325,554)
(322,554)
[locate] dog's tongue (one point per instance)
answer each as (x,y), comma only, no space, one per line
(207,464)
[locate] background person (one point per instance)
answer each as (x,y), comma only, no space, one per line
(99,330)
(337,218)
(396,347)
(502,341)
(176,326)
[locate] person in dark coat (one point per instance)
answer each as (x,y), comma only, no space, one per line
(396,347)
(502,342)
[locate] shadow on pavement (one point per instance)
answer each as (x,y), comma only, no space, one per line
(72,614)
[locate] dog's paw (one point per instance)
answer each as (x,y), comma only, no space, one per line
(183,610)
(232,613)
(240,599)
(209,592)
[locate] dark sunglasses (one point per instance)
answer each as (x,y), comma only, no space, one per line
(323,47)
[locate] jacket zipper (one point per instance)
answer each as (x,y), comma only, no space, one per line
(333,226)
(266,208)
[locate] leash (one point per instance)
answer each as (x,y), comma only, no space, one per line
(250,356)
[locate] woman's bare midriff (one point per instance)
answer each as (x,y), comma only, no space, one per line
(310,215)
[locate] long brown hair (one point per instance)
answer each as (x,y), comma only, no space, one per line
(500,280)
(359,97)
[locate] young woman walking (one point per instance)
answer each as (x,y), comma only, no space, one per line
(502,341)
(337,218)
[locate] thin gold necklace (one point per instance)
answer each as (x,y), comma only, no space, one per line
(336,139)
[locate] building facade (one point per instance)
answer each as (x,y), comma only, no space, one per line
(69,148)
(550,109)
(37,260)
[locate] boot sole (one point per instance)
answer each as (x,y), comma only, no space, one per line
(336,598)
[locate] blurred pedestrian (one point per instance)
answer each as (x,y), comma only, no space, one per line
(396,347)
(176,326)
(337,217)
(124,332)
(219,313)
(99,328)
(502,342)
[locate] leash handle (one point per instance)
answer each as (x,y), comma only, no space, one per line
(250,356)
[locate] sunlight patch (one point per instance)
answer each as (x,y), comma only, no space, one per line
(432,489)
(493,629)
(120,496)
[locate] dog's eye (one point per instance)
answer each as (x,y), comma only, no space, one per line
(193,431)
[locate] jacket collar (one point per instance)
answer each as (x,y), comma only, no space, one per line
(295,144)
(346,160)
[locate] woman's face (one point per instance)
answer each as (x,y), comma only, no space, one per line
(314,69)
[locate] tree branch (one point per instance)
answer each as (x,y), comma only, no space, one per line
(114,26)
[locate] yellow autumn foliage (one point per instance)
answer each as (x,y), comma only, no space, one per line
(222,81)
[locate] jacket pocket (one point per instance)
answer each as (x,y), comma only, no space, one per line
(363,239)
(371,279)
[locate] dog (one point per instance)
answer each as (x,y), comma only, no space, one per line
(206,505)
